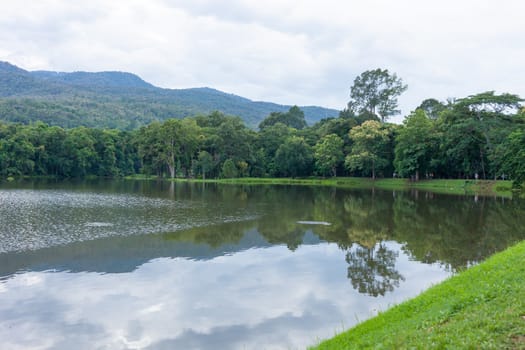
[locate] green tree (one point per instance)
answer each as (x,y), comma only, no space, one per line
(472,128)
(269,141)
(294,157)
(432,108)
(205,162)
(80,152)
(416,144)
(294,118)
(229,170)
(375,92)
(17,152)
(150,146)
(513,162)
(170,145)
(368,151)
(329,154)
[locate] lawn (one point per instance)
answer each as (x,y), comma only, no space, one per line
(480,308)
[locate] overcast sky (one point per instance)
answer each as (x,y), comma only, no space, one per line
(289,52)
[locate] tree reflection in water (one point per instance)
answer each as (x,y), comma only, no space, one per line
(372,270)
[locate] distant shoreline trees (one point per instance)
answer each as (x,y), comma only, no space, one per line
(481,136)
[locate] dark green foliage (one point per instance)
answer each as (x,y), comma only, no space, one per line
(513,160)
(294,118)
(294,158)
(480,135)
(229,170)
(417,143)
(117,100)
(432,108)
(472,129)
(41,150)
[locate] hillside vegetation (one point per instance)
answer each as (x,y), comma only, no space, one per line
(479,137)
(118,100)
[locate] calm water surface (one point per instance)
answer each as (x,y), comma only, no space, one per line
(153,265)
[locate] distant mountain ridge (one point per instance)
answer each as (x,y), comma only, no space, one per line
(98,79)
(119,100)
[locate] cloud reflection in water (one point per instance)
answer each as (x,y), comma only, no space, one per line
(260,297)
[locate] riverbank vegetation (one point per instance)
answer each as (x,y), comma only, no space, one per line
(481,308)
(449,186)
(477,137)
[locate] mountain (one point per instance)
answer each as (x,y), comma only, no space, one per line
(119,100)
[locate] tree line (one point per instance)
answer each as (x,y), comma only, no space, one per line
(479,136)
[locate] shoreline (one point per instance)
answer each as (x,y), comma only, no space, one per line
(446,186)
(481,307)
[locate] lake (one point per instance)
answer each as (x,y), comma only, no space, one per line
(159,265)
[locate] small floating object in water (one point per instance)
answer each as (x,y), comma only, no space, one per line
(98,224)
(324,223)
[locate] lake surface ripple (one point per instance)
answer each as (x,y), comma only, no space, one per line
(158,265)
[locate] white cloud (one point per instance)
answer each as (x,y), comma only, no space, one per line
(289,52)
(256,298)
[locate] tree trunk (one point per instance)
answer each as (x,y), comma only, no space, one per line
(482,163)
(171,168)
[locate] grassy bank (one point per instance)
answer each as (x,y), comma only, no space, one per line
(480,308)
(485,187)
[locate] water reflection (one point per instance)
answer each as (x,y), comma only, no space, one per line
(257,298)
(372,270)
(190,266)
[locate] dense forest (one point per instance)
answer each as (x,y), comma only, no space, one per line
(456,140)
(479,136)
(118,100)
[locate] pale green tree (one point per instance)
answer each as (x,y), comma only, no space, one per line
(329,154)
(368,150)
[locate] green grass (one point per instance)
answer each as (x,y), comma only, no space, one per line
(480,308)
(140,177)
(485,187)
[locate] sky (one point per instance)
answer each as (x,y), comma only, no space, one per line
(283,51)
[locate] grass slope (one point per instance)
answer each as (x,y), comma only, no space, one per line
(480,308)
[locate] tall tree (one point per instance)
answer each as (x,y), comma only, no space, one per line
(269,141)
(375,92)
(432,107)
(205,162)
(513,162)
(416,144)
(81,153)
(475,125)
(368,151)
(329,154)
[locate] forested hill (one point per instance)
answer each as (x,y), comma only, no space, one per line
(118,100)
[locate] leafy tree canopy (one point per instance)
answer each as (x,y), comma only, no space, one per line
(375,92)
(294,118)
